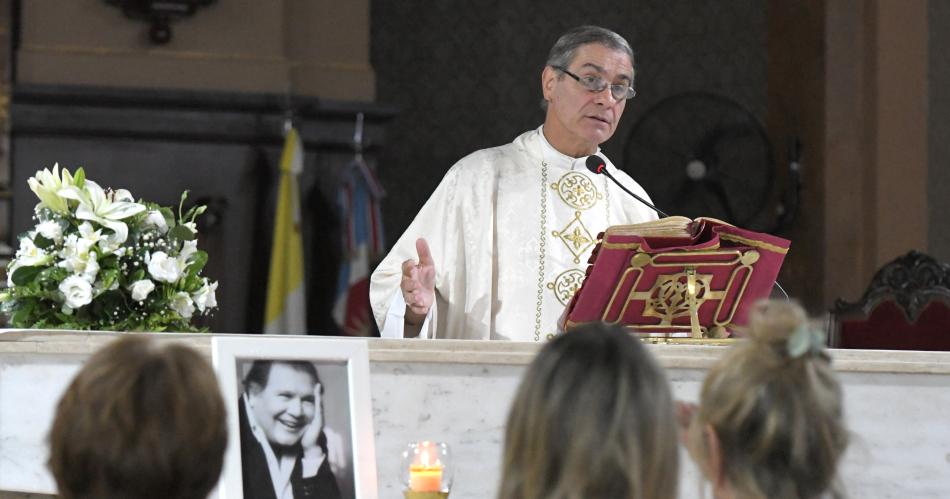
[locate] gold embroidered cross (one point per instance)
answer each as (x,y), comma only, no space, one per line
(577,238)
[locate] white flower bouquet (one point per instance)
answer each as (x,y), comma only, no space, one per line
(97,259)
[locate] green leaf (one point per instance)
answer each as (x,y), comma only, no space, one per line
(181,233)
(21,317)
(184,196)
(50,278)
(169,215)
(192,283)
(198,261)
(108,277)
(110,261)
(79,177)
(193,212)
(25,275)
(42,242)
(198,210)
(107,303)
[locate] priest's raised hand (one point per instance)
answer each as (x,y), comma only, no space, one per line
(418,288)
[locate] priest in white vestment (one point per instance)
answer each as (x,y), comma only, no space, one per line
(502,244)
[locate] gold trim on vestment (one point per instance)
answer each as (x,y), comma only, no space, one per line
(566,284)
(577,190)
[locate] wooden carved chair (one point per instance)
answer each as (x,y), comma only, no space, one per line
(906,307)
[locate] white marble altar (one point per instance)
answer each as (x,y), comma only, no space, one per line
(458,391)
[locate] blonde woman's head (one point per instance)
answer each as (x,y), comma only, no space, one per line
(770,421)
(593,418)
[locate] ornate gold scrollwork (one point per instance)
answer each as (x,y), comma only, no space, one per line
(566,284)
(670,298)
(577,190)
(683,292)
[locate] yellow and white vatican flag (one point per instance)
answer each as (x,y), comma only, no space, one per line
(286,311)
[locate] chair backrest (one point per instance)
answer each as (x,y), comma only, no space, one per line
(906,307)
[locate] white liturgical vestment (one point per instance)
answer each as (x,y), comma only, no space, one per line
(510,230)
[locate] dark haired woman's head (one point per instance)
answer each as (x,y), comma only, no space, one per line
(141,419)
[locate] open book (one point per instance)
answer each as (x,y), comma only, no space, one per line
(677,277)
(674,226)
(669,231)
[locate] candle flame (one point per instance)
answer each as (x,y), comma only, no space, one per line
(425,457)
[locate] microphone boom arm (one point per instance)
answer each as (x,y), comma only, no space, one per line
(638,198)
(597,165)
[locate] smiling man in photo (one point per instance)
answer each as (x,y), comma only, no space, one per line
(283,443)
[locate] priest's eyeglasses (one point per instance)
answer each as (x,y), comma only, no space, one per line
(597,84)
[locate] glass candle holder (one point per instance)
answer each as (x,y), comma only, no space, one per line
(427,470)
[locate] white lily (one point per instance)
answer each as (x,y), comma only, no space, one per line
(188,250)
(110,244)
(106,209)
(77,254)
(182,304)
(47,184)
(90,235)
(205,297)
(28,255)
(78,246)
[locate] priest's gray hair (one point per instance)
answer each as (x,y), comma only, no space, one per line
(562,53)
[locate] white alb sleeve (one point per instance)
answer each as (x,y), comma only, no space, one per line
(396,319)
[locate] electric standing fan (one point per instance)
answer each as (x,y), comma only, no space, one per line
(700,154)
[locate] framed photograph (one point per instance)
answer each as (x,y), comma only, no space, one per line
(300,418)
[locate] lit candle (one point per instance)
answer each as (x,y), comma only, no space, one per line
(423,476)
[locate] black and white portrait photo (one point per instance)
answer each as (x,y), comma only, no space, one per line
(286,441)
(295,427)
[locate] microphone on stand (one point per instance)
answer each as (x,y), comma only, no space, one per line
(597,165)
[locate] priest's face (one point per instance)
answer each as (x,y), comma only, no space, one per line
(578,120)
(285,407)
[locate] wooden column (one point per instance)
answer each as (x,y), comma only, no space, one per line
(796,102)
(875,139)
(900,75)
(848,131)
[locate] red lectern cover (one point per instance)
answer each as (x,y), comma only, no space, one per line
(677,277)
